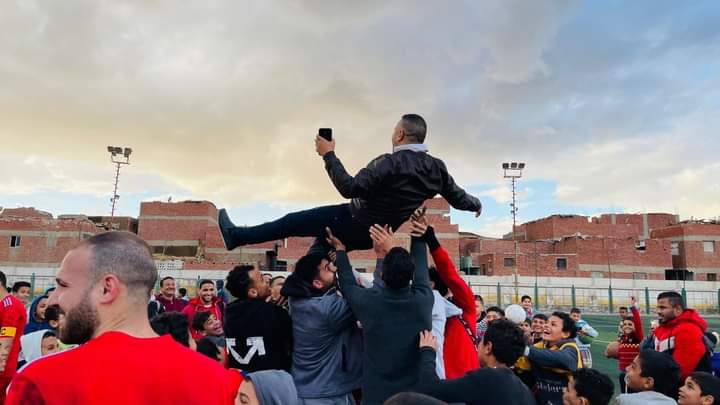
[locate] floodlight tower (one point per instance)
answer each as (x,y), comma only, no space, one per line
(119,156)
(513,171)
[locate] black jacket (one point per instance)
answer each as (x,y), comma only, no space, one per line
(392,186)
(478,387)
(259,335)
(391,320)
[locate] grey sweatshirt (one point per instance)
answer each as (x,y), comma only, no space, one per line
(327,355)
(645,397)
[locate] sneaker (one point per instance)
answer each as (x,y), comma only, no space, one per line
(226,226)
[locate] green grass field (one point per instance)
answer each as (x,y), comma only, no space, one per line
(607,325)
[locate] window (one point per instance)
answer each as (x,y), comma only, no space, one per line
(15,241)
(561,263)
(675,248)
(509,262)
(711,277)
(639,276)
(640,245)
(708,246)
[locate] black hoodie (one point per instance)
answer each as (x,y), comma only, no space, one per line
(259,335)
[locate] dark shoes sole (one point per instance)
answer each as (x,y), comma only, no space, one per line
(226,226)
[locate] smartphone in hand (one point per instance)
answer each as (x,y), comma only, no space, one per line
(326,133)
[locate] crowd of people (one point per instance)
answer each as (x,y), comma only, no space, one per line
(414,334)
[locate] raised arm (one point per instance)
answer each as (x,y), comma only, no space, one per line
(463,296)
(418,251)
(565,359)
(456,196)
(346,279)
(635,310)
(365,181)
(382,237)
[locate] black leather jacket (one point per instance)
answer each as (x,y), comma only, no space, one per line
(393,186)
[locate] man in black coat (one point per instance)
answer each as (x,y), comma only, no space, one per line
(386,192)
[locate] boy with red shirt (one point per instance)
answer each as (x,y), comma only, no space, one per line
(103,288)
(629,343)
(12,323)
(459,353)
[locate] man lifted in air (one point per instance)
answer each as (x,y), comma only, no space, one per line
(387,192)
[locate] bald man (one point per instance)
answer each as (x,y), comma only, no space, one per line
(103,287)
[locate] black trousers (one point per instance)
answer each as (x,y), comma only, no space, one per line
(312,222)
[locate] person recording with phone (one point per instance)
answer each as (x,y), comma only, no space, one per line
(387,191)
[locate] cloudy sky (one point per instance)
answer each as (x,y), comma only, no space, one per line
(613,105)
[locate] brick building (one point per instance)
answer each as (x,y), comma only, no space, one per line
(617,245)
(188,231)
(695,247)
(184,236)
(33,238)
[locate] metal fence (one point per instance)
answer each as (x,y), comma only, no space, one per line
(545,298)
(591,299)
(40,284)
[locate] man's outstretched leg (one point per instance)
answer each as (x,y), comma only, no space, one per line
(310,222)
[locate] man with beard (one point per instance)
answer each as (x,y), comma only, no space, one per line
(12,324)
(682,334)
(103,286)
(258,333)
(206,301)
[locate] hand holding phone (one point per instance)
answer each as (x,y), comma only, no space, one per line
(324,142)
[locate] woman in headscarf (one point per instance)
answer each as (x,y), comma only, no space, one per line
(36,315)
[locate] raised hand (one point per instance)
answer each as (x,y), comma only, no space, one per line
(334,241)
(382,237)
(323,146)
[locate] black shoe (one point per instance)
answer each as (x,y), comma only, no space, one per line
(226,226)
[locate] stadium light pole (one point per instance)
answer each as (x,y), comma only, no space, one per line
(119,156)
(513,171)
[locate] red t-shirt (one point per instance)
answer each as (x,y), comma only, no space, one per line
(12,324)
(116,368)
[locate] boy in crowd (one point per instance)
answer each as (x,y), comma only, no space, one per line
(494,383)
(537,326)
(21,291)
(526,303)
(623,313)
(206,326)
(654,377)
(491,314)
(588,387)
(585,336)
(553,360)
